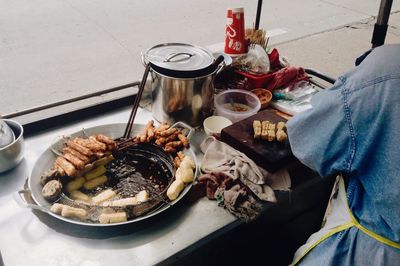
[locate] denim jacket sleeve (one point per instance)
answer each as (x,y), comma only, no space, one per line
(321,137)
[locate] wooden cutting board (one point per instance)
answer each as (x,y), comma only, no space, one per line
(270,155)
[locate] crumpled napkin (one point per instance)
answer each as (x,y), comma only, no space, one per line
(239,202)
(220,157)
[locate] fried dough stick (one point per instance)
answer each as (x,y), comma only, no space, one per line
(77,154)
(68,168)
(79,164)
(94,147)
(81,149)
(106,140)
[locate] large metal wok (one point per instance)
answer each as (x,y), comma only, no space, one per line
(32,197)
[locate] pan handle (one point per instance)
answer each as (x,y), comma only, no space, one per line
(20,198)
(186,126)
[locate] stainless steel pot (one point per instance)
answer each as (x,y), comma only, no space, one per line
(13,153)
(182,82)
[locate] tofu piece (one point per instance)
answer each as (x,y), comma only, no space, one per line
(281,125)
(142,196)
(96,182)
(104,196)
(175,189)
(71,212)
(80,196)
(109,218)
(75,184)
(264,130)
(271,135)
(281,136)
(257,129)
(265,124)
(271,126)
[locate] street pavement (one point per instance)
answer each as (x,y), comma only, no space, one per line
(54,50)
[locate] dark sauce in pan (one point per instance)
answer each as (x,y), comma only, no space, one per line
(135,169)
(133,173)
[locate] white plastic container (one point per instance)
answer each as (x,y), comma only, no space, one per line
(236,105)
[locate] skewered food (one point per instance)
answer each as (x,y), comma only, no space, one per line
(109,181)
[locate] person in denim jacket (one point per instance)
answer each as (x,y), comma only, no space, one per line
(353,129)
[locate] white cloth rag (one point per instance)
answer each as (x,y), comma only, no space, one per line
(220,157)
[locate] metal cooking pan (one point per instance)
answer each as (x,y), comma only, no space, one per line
(33,187)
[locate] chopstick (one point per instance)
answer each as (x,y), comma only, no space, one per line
(129,125)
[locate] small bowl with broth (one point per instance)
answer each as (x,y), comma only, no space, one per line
(236,104)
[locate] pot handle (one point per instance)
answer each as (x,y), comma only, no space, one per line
(143,59)
(186,126)
(220,62)
(20,198)
(173,55)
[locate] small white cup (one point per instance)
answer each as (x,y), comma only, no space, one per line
(213,125)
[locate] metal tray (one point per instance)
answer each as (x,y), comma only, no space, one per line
(45,161)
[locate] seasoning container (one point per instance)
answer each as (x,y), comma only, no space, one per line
(182,82)
(235,41)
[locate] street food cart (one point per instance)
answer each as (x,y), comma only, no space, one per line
(177,234)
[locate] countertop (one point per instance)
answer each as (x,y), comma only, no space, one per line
(34,238)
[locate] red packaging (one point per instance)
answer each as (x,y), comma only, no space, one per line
(235,42)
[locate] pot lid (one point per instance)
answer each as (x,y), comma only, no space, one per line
(179,57)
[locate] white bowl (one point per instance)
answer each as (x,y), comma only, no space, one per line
(214,124)
(12,154)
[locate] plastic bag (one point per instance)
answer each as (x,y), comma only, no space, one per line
(256,61)
(296,99)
